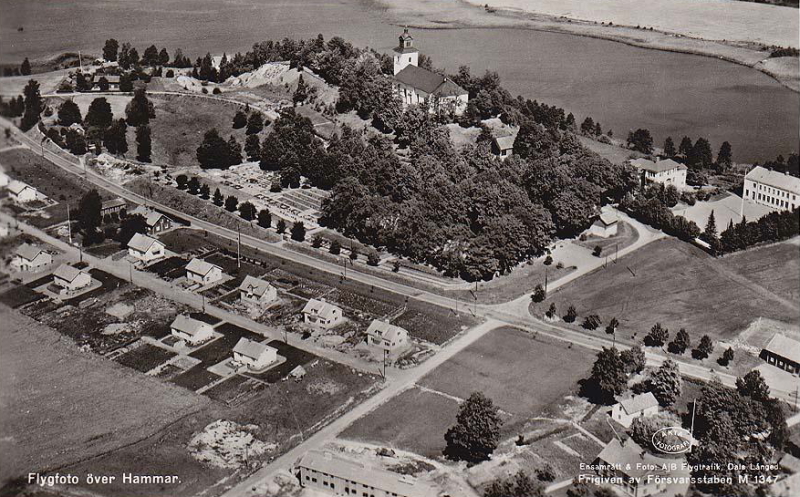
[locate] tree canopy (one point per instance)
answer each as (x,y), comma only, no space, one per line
(477,430)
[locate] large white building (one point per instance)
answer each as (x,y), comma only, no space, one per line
(772,188)
(419,86)
(665,171)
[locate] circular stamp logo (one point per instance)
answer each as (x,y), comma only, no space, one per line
(672,440)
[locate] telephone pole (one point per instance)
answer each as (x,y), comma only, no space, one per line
(238,247)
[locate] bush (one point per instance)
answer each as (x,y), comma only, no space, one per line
(335,248)
(591,322)
(538,294)
(216,91)
(597,251)
(170,73)
(373,259)
(548,260)
(571,314)
(316,242)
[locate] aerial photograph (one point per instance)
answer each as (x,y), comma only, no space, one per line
(399,248)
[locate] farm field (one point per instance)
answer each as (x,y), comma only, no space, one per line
(50,419)
(680,286)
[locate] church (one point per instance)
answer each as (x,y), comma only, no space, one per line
(417,85)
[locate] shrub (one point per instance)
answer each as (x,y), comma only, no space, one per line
(571,314)
(548,260)
(539,294)
(597,251)
(216,91)
(335,248)
(591,322)
(316,242)
(373,259)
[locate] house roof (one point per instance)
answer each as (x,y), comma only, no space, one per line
(188,325)
(67,272)
(320,308)
(608,218)
(151,216)
(379,478)
(632,457)
(258,286)
(791,463)
(142,243)
(505,142)
(385,330)
(657,167)
(428,81)
(28,252)
(774,179)
(114,202)
(199,266)
(785,347)
(251,348)
(17,187)
(638,403)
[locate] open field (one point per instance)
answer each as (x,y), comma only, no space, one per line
(50,419)
(523,374)
(680,286)
(48,82)
(117,102)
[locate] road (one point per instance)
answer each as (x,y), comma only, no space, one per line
(513,313)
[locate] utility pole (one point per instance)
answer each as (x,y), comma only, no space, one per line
(616,252)
(545,280)
(385,353)
(130,272)
(694,407)
(69,225)
(238,247)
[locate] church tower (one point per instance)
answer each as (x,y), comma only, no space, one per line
(405,54)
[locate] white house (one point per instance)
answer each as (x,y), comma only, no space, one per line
(386,336)
(665,171)
(30,258)
(631,469)
(191,330)
(416,85)
(203,272)
(256,291)
(321,314)
(605,226)
(21,193)
(145,248)
(625,411)
(70,278)
(253,354)
(772,188)
(335,475)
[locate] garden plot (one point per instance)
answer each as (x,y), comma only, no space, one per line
(145,357)
(294,357)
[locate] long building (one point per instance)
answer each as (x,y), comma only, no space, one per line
(772,188)
(336,475)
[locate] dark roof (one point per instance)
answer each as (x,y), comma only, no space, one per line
(405,50)
(428,81)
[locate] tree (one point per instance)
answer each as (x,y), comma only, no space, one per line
(753,385)
(725,156)
(669,147)
(99,113)
(612,326)
(103,83)
(598,250)
(139,110)
(591,322)
(373,258)
(608,378)
(125,83)
(700,155)
(182,181)
(129,227)
(252,147)
(298,231)
(316,242)
(281,227)
(538,294)
(110,50)
(150,56)
(680,343)
(218,199)
(571,314)
(33,105)
(335,247)
(231,203)
(143,143)
(710,233)
(519,485)
(704,349)
(214,152)
(247,211)
(657,337)
(727,357)
(163,57)
(643,428)
(264,218)
(685,147)
(205,191)
(75,142)
(587,126)
(477,430)
(301,93)
(239,120)
(353,253)
(641,141)
(194,185)
(116,138)
(25,68)
(598,130)
(89,215)
(665,383)
(634,359)
(69,113)
(255,123)
(551,311)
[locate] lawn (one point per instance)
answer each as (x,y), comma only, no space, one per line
(145,357)
(220,349)
(50,419)
(195,378)
(415,421)
(524,375)
(19,296)
(680,286)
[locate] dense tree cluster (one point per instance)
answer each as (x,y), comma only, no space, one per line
(216,153)
(651,207)
(773,227)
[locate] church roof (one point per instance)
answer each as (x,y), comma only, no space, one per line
(428,81)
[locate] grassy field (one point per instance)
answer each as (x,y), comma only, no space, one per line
(180,124)
(680,286)
(145,357)
(51,395)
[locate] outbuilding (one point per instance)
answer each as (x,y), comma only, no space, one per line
(783,352)
(605,226)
